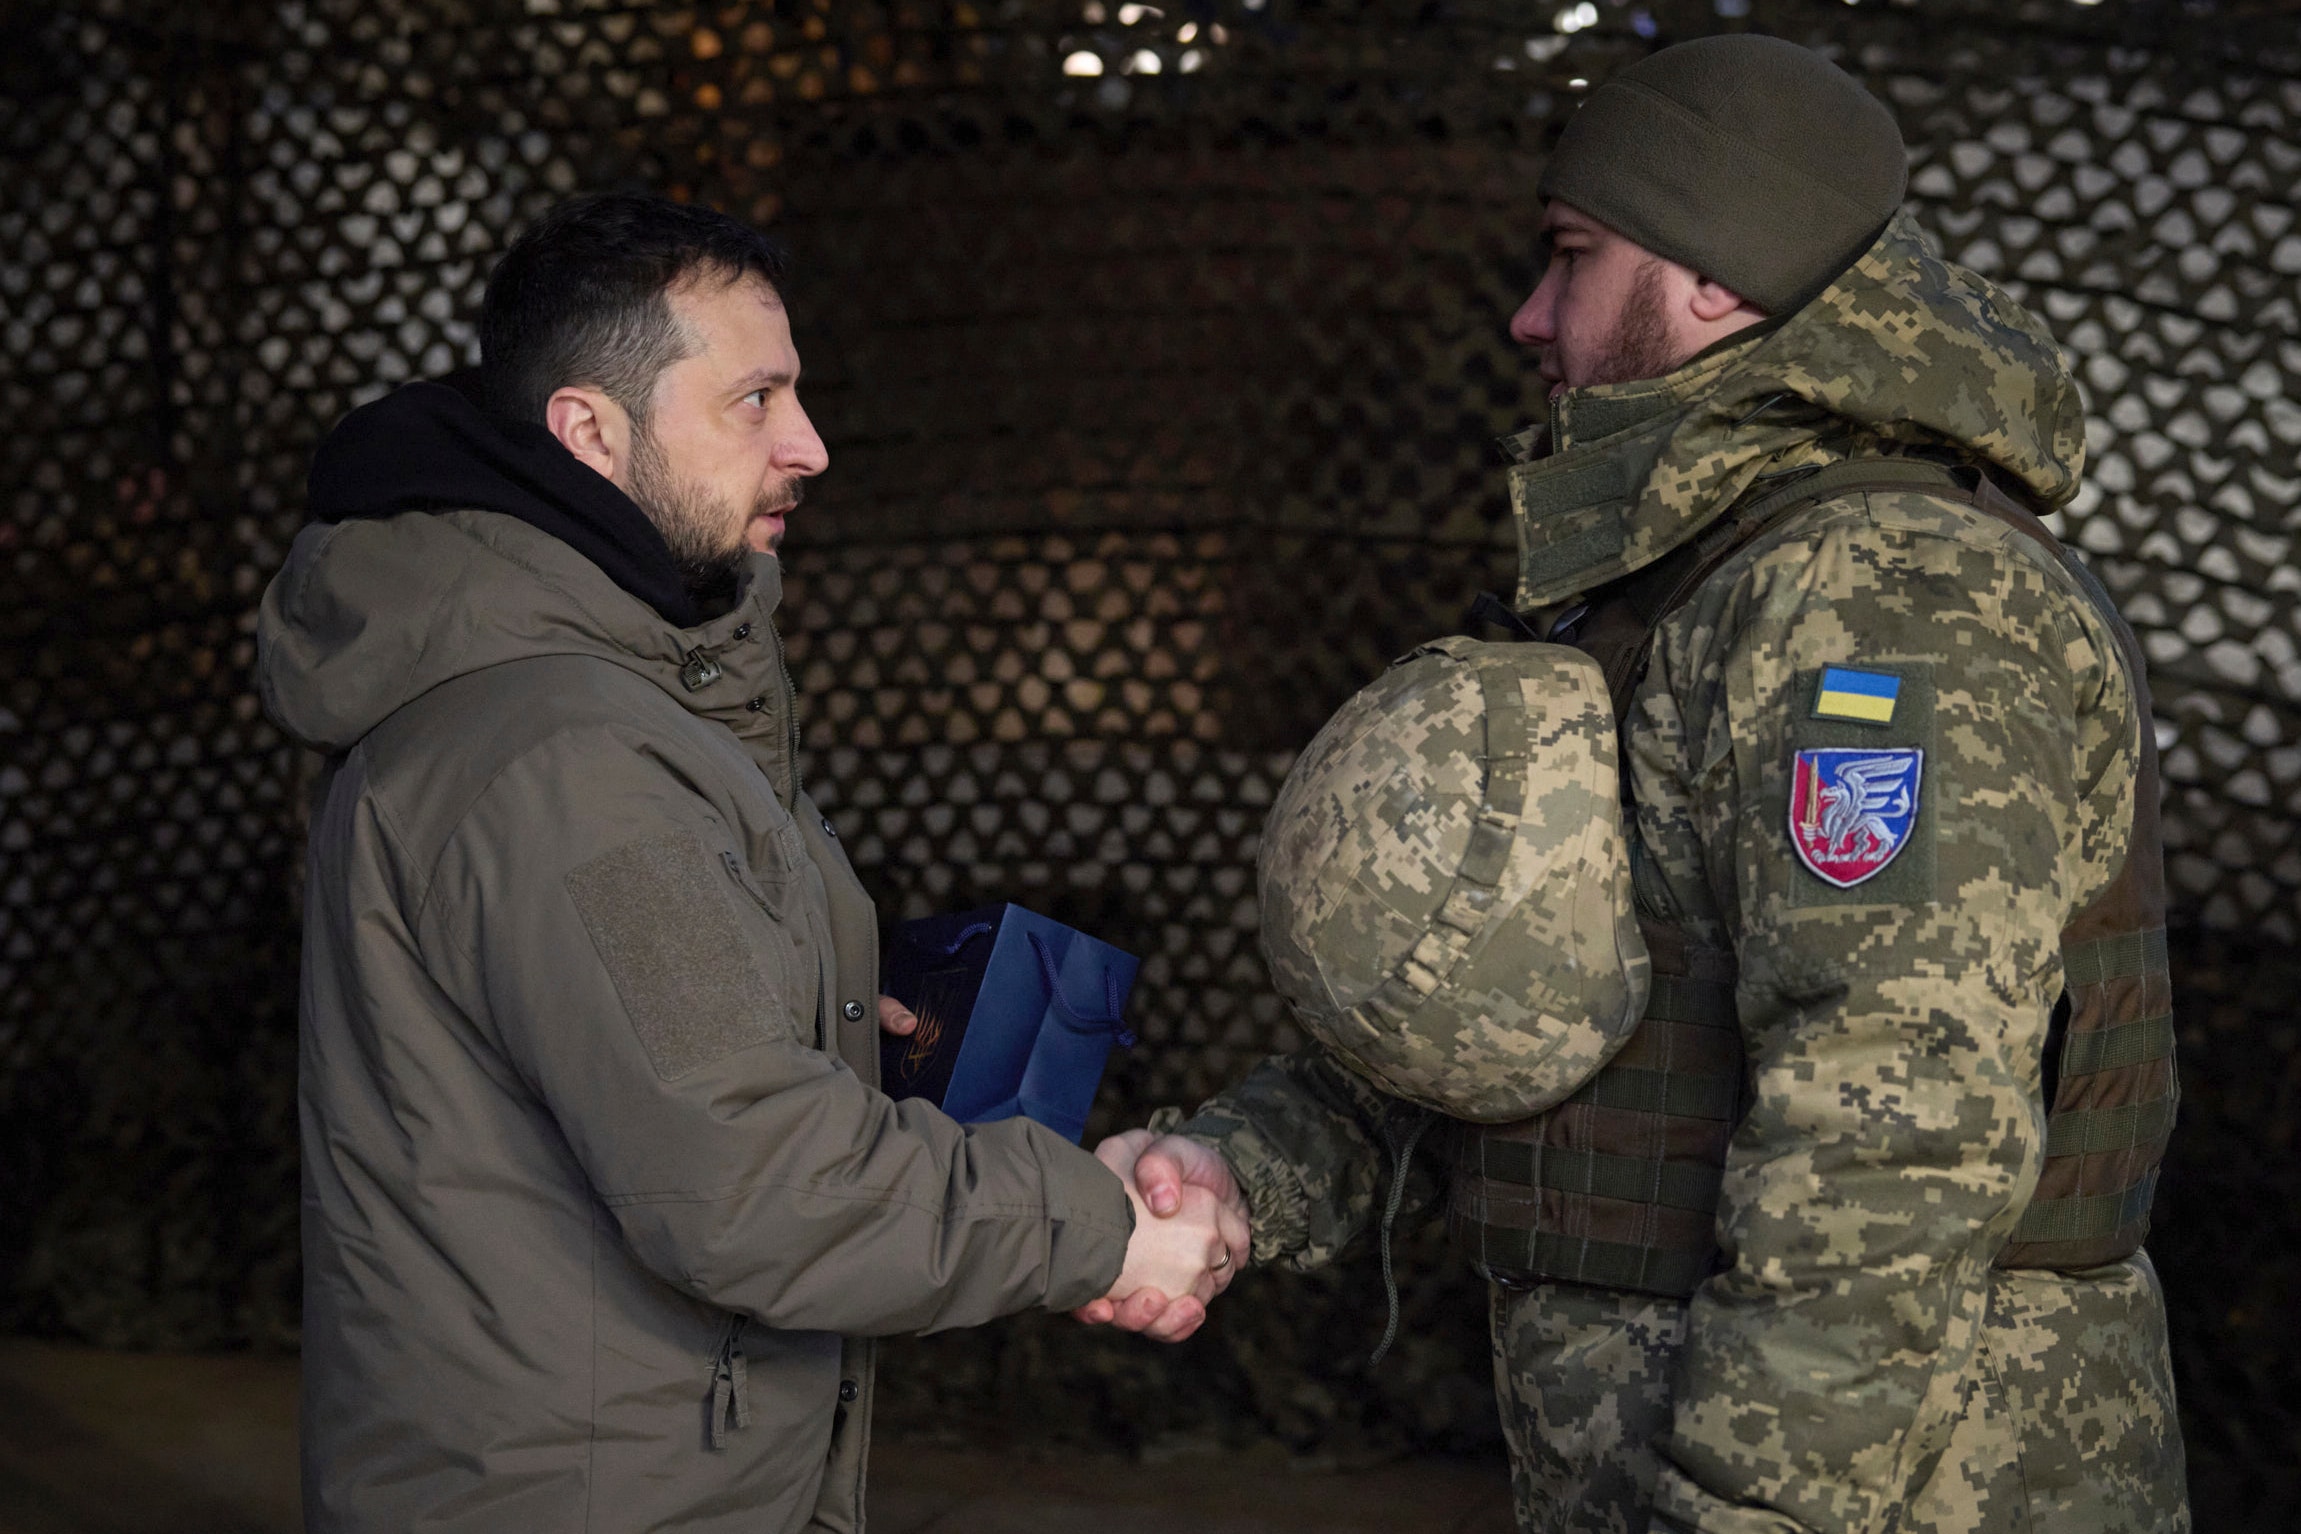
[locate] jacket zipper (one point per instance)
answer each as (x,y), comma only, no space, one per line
(734,868)
(730,1385)
(790,711)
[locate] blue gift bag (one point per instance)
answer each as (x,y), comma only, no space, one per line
(1017,1014)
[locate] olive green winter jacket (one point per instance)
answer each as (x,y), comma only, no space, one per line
(600,1197)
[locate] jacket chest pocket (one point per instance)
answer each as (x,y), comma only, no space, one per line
(699,974)
(786,944)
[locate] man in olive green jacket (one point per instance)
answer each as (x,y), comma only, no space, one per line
(1848,1238)
(601,1203)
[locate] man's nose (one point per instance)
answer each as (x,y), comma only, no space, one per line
(1534,323)
(800,450)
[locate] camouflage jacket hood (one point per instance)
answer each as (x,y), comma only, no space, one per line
(1904,351)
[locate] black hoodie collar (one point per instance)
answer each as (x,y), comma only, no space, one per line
(427,447)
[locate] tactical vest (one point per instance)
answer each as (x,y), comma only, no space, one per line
(1618,1185)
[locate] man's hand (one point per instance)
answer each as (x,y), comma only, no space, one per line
(1174,1266)
(1163,1165)
(1163,1174)
(897,1019)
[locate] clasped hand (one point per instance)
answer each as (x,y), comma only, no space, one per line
(1191,1235)
(1190,1239)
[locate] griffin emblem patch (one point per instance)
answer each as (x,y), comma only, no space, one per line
(1851,810)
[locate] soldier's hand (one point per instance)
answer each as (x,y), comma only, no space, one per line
(1159,1169)
(1164,1166)
(1174,1265)
(897,1019)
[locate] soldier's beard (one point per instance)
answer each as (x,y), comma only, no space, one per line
(704,530)
(1641,346)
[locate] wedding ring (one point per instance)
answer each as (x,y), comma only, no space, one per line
(1217,1267)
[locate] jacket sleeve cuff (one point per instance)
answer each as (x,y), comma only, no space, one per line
(1278,1205)
(1089,1221)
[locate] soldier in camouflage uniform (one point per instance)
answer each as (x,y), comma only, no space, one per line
(1892,812)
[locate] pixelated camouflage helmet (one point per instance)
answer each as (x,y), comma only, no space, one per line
(1445,889)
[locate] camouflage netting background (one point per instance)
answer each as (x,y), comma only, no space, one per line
(1159,351)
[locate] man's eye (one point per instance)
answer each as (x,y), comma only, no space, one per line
(758,397)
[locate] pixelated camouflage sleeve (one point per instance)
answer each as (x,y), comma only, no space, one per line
(1312,1144)
(1899,959)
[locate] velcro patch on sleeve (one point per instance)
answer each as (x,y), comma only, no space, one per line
(1845,693)
(1852,812)
(1860,811)
(661,918)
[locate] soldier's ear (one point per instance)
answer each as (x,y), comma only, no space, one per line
(1712,301)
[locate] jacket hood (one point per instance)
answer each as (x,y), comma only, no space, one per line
(1903,353)
(371,613)
(428,447)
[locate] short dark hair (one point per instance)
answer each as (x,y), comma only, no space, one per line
(583,297)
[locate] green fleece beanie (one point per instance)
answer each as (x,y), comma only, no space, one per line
(1754,161)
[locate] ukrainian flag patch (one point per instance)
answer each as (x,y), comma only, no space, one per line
(1864,695)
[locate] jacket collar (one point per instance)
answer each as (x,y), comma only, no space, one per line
(729,669)
(1903,351)
(733,672)
(430,447)
(370,613)
(1594,508)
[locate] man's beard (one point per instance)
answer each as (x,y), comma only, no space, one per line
(1640,347)
(705,536)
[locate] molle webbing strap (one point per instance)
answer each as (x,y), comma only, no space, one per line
(2118,1045)
(2095,1131)
(1618,1185)
(2115,1093)
(1642,1091)
(2085,1218)
(2113,958)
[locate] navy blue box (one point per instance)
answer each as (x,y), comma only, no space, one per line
(1017,1014)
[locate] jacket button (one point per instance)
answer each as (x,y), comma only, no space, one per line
(829,829)
(847,1390)
(756,704)
(743,631)
(854,1011)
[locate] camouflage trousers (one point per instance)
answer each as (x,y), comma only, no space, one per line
(2067,1423)
(1583,1379)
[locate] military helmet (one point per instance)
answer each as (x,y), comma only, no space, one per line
(1445,890)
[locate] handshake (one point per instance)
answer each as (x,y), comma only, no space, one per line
(1191,1234)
